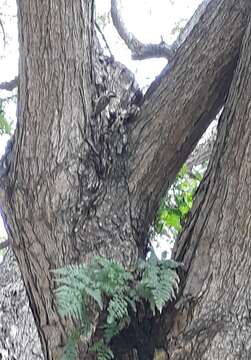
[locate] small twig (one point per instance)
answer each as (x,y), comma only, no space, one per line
(8,98)
(4,244)
(139,50)
(2,27)
(9,85)
(103,37)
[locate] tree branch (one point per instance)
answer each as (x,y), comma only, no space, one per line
(139,50)
(182,102)
(103,38)
(2,27)
(191,23)
(9,85)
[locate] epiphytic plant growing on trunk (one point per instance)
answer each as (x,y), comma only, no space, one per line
(116,291)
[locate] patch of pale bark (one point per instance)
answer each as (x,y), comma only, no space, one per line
(18,334)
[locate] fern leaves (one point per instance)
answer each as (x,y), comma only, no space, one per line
(164,289)
(102,351)
(70,350)
(75,287)
(158,283)
(108,280)
(117,309)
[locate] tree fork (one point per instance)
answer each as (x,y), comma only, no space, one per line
(81,186)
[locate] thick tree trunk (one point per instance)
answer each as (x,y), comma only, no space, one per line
(85,182)
(213,315)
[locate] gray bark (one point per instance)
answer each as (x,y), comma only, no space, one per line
(180,104)
(213,315)
(18,333)
(82,183)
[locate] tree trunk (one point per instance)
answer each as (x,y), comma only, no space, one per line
(85,180)
(213,314)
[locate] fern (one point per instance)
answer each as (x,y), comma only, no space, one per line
(70,350)
(164,290)
(103,351)
(110,276)
(108,279)
(159,281)
(75,287)
(113,329)
(117,309)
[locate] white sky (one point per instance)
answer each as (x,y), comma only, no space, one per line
(147,19)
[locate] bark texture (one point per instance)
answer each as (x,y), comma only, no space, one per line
(84,182)
(182,102)
(68,168)
(18,333)
(213,315)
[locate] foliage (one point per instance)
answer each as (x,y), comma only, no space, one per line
(116,292)
(178,202)
(159,281)
(103,351)
(70,350)
(5,126)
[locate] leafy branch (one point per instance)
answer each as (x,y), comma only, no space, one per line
(178,202)
(5,126)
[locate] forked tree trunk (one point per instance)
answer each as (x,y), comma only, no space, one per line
(83,182)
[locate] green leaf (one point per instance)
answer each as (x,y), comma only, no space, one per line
(5,126)
(171,219)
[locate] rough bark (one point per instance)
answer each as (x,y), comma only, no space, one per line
(83,183)
(180,105)
(213,315)
(18,333)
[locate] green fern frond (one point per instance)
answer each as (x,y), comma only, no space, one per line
(73,272)
(117,308)
(113,329)
(165,291)
(159,282)
(70,350)
(71,302)
(103,351)
(95,294)
(85,327)
(104,278)
(75,285)
(110,276)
